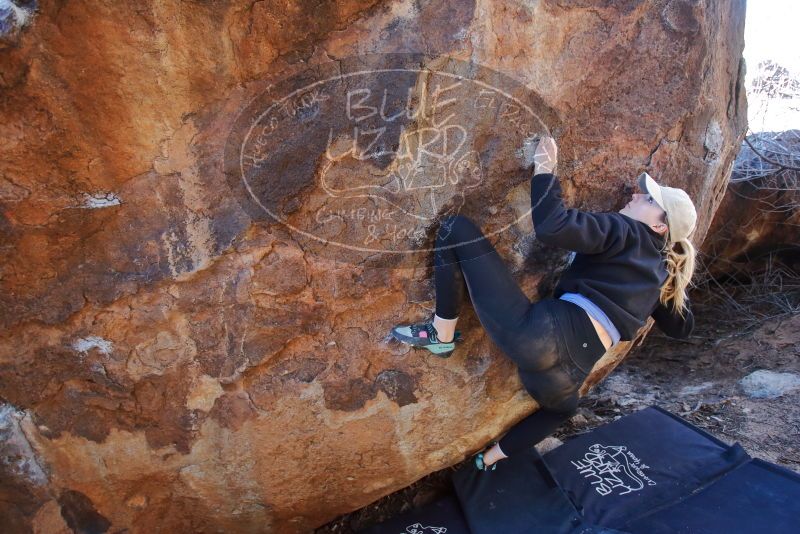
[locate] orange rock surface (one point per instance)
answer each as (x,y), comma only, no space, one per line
(172,360)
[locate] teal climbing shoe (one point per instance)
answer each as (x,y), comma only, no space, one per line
(424,335)
(482,466)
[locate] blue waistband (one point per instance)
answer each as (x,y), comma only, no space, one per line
(595,313)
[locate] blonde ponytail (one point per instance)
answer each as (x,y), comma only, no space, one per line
(680,269)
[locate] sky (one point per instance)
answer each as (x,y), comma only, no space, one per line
(772,31)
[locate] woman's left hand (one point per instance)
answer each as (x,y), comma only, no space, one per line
(545,158)
(541,152)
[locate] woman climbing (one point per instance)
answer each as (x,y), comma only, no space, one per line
(628,265)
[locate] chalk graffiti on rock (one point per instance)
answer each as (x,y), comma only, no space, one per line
(368,153)
(430,163)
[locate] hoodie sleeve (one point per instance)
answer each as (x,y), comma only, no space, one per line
(569,228)
(672,324)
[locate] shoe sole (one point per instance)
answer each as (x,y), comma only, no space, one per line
(441,350)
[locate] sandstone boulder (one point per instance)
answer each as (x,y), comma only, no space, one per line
(194,310)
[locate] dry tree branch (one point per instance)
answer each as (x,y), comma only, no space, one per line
(768,160)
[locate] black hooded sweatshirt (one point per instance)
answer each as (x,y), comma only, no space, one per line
(618,263)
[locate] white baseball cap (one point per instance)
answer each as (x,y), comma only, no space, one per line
(681,214)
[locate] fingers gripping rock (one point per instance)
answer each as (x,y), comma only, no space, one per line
(540,152)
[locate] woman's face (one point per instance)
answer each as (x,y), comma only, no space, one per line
(643,207)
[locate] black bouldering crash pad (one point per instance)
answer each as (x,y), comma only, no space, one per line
(650,472)
(440,517)
(519,496)
(757,496)
(649,459)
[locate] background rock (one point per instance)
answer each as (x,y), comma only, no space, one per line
(769,384)
(179,366)
(758,219)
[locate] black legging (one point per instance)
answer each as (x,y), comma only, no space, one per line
(552,341)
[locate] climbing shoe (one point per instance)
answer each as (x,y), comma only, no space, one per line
(482,466)
(424,335)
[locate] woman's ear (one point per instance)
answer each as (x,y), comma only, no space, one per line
(661,228)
